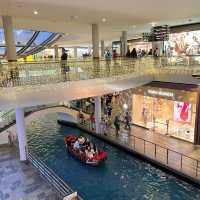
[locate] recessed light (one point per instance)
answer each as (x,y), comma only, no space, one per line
(153,24)
(103,19)
(35,12)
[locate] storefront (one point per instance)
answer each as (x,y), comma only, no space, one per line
(168,111)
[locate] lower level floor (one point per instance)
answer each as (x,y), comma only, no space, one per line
(20,181)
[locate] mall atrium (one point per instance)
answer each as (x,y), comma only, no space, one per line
(99,100)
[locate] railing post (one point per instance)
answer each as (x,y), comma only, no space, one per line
(167,156)
(181,161)
(197,168)
(144,146)
(155,150)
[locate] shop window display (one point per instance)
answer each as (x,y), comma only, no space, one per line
(184,46)
(165,116)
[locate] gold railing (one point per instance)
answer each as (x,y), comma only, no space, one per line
(18,74)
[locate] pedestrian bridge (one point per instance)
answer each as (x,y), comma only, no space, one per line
(30,84)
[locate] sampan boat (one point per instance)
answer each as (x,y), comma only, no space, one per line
(81,155)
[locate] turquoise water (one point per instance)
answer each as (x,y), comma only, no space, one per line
(121,177)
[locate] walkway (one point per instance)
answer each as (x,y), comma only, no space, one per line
(19,181)
(178,155)
(165,141)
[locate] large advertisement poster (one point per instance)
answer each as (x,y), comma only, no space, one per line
(182,111)
(185,43)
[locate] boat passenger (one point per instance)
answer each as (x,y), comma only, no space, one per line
(76,145)
(86,143)
(90,155)
(81,140)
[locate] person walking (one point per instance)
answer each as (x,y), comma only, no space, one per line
(127,120)
(114,57)
(134,53)
(64,67)
(108,58)
(117,125)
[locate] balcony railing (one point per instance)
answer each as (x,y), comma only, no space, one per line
(18,74)
(36,73)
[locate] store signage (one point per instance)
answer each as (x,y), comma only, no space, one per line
(160,93)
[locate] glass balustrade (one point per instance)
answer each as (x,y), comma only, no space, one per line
(36,73)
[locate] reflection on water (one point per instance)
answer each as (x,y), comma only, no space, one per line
(121,177)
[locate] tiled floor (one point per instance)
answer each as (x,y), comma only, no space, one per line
(19,181)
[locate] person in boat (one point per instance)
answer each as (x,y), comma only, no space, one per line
(95,149)
(81,140)
(86,143)
(89,154)
(76,145)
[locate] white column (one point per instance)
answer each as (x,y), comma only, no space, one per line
(124,43)
(9,38)
(75,52)
(95,40)
(21,134)
(102,48)
(56,51)
(97,113)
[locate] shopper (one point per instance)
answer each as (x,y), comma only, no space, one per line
(108,58)
(127,120)
(156,52)
(134,53)
(114,56)
(117,125)
(105,124)
(64,67)
(92,121)
(128,54)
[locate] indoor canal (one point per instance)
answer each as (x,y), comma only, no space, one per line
(120,177)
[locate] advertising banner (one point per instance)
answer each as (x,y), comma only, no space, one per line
(182,112)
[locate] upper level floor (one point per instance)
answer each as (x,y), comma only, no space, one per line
(28,84)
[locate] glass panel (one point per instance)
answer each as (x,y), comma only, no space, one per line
(22,36)
(2,50)
(18,48)
(42,36)
(2,39)
(29,49)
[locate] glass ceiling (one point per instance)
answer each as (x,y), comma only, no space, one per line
(28,41)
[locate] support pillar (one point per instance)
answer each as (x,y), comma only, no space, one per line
(97,113)
(95,40)
(75,52)
(102,48)
(56,52)
(21,134)
(124,43)
(9,39)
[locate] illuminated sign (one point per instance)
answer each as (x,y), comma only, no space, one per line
(160,93)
